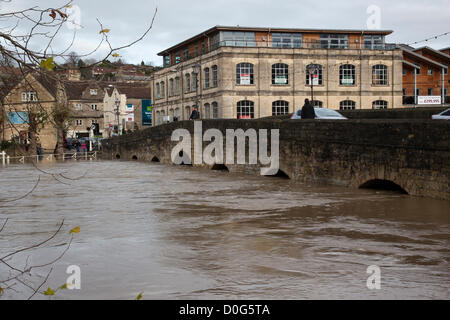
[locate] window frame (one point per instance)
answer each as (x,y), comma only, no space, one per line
(382,104)
(245,108)
(347,105)
(347,70)
(245,66)
(320,75)
(380,75)
(280,107)
(280,70)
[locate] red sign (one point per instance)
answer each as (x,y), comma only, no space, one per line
(244,117)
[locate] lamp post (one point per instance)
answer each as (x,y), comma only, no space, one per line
(313,70)
(118,115)
(197,70)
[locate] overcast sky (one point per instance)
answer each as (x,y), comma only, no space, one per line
(411,20)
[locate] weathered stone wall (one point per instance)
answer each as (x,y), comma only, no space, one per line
(414,154)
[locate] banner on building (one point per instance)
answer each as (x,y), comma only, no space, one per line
(245,78)
(129,108)
(280,79)
(429,100)
(147,112)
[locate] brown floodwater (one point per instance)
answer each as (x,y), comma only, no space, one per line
(188,233)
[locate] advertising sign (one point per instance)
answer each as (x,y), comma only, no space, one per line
(245,78)
(429,100)
(347,80)
(146,112)
(280,80)
(129,108)
(314,78)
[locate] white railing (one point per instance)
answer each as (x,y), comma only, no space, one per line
(50,157)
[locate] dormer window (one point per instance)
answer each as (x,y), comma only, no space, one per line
(29,96)
(93,92)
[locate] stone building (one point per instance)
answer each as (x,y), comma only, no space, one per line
(123,106)
(237,72)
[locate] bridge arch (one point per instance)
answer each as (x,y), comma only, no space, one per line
(155,159)
(383,184)
(220,167)
(118,156)
(134,158)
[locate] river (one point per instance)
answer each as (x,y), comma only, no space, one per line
(188,233)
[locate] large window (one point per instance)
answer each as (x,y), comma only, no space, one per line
(334,41)
(238,39)
(347,76)
(177,57)
(280,74)
(380,74)
(317,78)
(380,104)
(215,110)
(317,104)
(347,105)
(187,112)
(207,111)
(158,119)
(158,91)
(163,89)
(29,96)
(166,61)
(206,71)
(194,81)
(171,88)
(286,40)
(177,86)
(244,74)
(214,76)
(373,42)
(245,109)
(188,82)
(280,107)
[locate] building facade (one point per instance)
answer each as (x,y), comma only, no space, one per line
(425,73)
(235,72)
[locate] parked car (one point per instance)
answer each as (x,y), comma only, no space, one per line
(444,115)
(321,113)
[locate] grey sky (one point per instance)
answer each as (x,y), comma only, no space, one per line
(411,20)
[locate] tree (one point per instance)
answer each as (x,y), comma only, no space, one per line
(27,53)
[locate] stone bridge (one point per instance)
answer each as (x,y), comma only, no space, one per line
(412,156)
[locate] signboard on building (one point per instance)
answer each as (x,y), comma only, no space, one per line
(280,79)
(429,100)
(129,108)
(315,79)
(130,117)
(245,78)
(147,112)
(348,80)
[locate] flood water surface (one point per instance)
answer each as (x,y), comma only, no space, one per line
(187,233)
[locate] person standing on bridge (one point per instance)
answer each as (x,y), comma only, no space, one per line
(195,114)
(308,111)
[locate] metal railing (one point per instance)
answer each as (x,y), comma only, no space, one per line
(92,155)
(285,45)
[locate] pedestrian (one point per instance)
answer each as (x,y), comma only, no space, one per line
(195,114)
(83,146)
(308,110)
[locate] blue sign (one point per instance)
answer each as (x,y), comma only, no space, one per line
(18,117)
(147,112)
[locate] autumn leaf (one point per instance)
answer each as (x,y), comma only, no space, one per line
(1,291)
(69,6)
(53,14)
(75,230)
(115,55)
(139,297)
(49,292)
(63,15)
(48,64)
(63,287)
(104,31)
